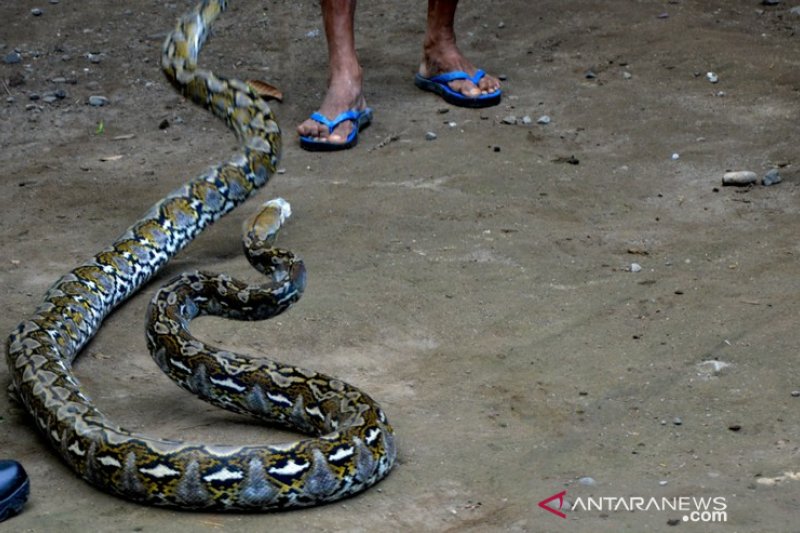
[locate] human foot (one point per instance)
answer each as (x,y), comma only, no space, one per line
(343,94)
(443,58)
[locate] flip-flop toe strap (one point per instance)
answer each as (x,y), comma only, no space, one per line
(447,77)
(351,114)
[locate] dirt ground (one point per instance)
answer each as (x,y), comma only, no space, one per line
(478,285)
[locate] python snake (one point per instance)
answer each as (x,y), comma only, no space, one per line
(351,445)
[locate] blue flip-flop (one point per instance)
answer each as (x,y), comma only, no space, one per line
(438,85)
(360,118)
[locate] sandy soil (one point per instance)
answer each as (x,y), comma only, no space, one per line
(477,285)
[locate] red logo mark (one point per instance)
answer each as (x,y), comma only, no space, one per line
(560,498)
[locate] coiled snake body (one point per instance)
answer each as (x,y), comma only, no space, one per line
(352,445)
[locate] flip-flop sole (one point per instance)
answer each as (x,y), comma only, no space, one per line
(312,145)
(485,100)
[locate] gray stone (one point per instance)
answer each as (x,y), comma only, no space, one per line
(739,178)
(509,119)
(544,120)
(430,136)
(36,12)
(97,101)
(12,58)
(772,177)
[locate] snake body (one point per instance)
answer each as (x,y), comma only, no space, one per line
(351,445)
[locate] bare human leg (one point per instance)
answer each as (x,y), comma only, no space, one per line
(440,53)
(345,77)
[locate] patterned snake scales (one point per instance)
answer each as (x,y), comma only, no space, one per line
(352,443)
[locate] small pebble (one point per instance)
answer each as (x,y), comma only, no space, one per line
(663,482)
(677,421)
(94,58)
(739,178)
(772,177)
(526,119)
(452,124)
(53,1)
(712,368)
(12,58)
(635,267)
(713,78)
(590,74)
(501,24)
(510,119)
(502,77)
(430,136)
(588,481)
(796,394)
(59,79)
(795,10)
(544,120)
(50,98)
(36,12)
(97,101)
(10,99)
(627,75)
(676,156)
(33,96)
